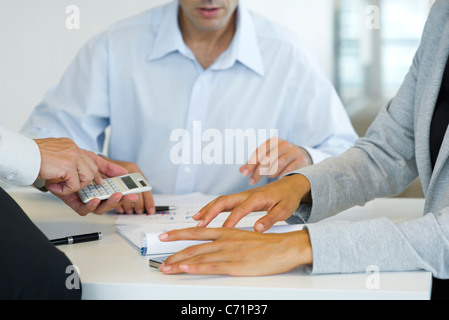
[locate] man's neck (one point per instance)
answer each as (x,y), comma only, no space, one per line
(207,46)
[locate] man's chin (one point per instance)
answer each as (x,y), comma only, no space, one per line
(210,25)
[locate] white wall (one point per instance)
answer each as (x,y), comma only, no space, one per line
(36,47)
(312,20)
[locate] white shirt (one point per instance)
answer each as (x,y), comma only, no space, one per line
(20,158)
(172,118)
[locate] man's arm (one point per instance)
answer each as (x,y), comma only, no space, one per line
(318,126)
(20,158)
(65,167)
(78,106)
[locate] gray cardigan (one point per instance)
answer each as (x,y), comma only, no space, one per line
(393,153)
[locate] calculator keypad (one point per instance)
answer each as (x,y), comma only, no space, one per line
(97,191)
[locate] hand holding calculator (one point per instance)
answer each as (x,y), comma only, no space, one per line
(126,184)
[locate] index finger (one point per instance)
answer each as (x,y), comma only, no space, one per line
(149,202)
(217,206)
(200,234)
(107,168)
(259,157)
(255,159)
(255,202)
(90,163)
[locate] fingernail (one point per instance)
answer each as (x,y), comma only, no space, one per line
(245,172)
(252,181)
(196,215)
(200,223)
(259,227)
(152,210)
(163,236)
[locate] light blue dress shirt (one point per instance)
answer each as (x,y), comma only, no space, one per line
(140,78)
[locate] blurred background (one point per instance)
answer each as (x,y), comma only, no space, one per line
(365,46)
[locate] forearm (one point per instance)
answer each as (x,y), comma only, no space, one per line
(348,247)
(358,176)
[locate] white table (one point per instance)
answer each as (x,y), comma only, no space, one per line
(112,269)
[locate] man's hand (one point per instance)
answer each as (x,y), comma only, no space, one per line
(96,205)
(67,169)
(107,169)
(275,158)
(280,199)
(238,253)
(144,201)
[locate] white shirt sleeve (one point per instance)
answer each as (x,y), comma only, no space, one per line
(20,158)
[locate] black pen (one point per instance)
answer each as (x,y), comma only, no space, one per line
(164,208)
(77,239)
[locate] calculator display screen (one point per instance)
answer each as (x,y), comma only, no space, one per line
(129,182)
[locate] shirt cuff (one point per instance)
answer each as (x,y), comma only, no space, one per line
(21,159)
(316,155)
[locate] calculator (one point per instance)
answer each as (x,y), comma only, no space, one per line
(126,184)
(156,262)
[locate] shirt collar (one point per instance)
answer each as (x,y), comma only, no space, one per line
(169,37)
(243,48)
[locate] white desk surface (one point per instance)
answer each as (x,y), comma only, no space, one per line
(112,269)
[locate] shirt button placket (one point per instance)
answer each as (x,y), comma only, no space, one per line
(195,124)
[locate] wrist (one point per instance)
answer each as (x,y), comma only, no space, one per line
(302,247)
(305,247)
(307,159)
(301,184)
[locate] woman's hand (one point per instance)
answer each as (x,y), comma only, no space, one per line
(238,253)
(280,199)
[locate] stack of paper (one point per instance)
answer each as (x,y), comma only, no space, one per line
(147,240)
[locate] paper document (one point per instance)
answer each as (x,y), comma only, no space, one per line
(186,207)
(146,238)
(142,231)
